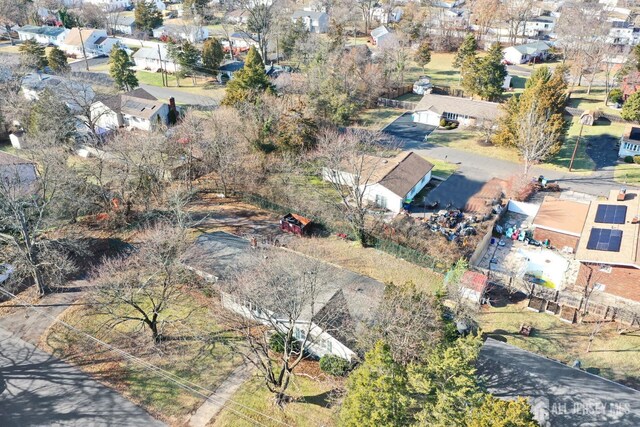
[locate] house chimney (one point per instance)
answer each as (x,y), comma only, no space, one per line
(172,103)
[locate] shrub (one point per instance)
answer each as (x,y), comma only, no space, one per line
(615,96)
(443,123)
(454,125)
(334,365)
(628,159)
(276,343)
(636,160)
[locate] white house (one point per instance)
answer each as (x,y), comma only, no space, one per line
(630,142)
(137,109)
(378,35)
(341,308)
(385,16)
(72,92)
(43,35)
(314,22)
(16,171)
(154,58)
(96,42)
(386,183)
(623,34)
(432,108)
(192,33)
(122,24)
(523,53)
(108,5)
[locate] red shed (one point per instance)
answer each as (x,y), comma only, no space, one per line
(473,285)
(294,223)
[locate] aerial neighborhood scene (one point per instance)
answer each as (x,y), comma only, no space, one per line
(330,213)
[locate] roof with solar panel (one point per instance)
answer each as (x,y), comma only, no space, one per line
(611,233)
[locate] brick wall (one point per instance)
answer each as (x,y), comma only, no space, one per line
(558,240)
(622,281)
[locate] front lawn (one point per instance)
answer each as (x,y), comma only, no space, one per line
(183,355)
(377,118)
(592,101)
(314,405)
(627,173)
(612,355)
(442,169)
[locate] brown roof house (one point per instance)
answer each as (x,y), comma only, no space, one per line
(561,222)
(609,249)
(387,183)
(467,112)
(137,109)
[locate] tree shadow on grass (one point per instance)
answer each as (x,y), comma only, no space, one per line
(325,400)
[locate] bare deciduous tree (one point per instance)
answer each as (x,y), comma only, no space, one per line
(535,140)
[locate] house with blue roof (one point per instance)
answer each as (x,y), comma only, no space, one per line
(43,35)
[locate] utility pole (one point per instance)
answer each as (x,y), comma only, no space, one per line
(575,149)
(84,53)
(162,71)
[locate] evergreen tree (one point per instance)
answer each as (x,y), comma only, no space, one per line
(186,55)
(121,70)
(248,82)
(68,19)
(50,120)
(446,383)
(631,108)
(423,54)
(33,54)
(469,74)
(466,49)
(376,392)
(58,61)
(212,54)
(147,16)
(295,33)
(494,412)
(491,73)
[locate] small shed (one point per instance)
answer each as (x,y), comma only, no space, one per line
(589,117)
(296,224)
(473,286)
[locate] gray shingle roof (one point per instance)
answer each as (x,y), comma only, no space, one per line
(311,14)
(407,173)
(380,31)
(44,30)
(464,106)
(532,48)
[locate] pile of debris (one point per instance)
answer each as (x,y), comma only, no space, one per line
(453,224)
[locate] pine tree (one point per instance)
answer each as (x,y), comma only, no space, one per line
(469,74)
(423,54)
(466,49)
(123,75)
(494,412)
(376,392)
(33,54)
(491,73)
(58,61)
(212,54)
(248,82)
(631,108)
(147,16)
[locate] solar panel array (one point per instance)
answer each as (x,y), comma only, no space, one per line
(611,214)
(602,239)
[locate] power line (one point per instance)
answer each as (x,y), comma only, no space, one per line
(156,369)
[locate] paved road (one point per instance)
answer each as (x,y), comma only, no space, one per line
(560,396)
(37,389)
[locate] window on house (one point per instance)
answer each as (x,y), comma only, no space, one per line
(299,334)
(381,201)
(451,116)
(605,269)
(599,287)
(328,345)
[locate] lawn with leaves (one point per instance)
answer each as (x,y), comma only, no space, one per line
(201,86)
(468,140)
(183,355)
(612,355)
(377,118)
(592,101)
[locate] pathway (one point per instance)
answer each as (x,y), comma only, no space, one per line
(211,407)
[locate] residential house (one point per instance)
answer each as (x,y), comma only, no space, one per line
(380,34)
(384,15)
(154,58)
(387,183)
(521,54)
(560,222)
(122,24)
(110,5)
(448,4)
(72,92)
(90,42)
(559,395)
(191,33)
(16,171)
(351,298)
(240,42)
(238,16)
(229,68)
(610,245)
(630,142)
(468,112)
(630,84)
(313,22)
(623,33)
(137,109)
(43,35)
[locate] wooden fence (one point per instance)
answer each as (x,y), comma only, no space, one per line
(394,103)
(397,91)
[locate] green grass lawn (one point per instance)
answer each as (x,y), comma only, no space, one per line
(186,84)
(627,173)
(442,169)
(311,408)
(593,101)
(410,97)
(584,163)
(439,70)
(377,118)
(184,356)
(8,148)
(612,355)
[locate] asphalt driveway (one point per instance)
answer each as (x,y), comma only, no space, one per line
(404,128)
(36,389)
